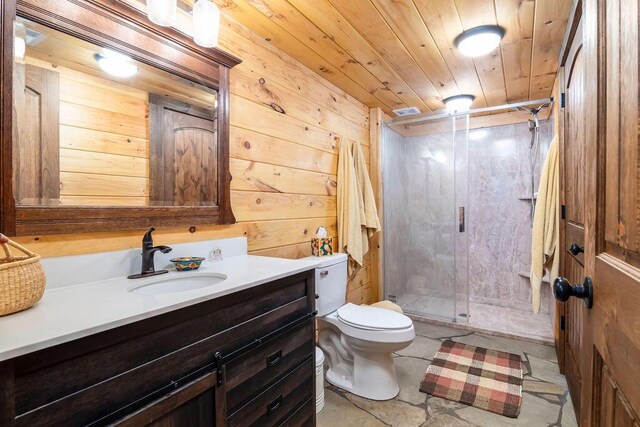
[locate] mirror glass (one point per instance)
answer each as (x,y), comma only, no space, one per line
(93,127)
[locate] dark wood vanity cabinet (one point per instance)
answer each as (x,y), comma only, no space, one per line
(239,360)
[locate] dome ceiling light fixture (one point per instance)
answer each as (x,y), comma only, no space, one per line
(458,103)
(479,41)
(116,64)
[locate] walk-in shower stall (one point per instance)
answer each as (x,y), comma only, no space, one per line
(457,223)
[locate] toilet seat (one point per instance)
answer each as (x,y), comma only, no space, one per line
(367,334)
(372,318)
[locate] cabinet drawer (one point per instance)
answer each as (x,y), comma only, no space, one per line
(253,371)
(278,402)
(304,416)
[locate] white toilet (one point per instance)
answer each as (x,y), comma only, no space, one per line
(358,341)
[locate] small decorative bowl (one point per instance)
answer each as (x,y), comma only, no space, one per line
(187,263)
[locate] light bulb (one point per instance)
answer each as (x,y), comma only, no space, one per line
(162,12)
(206,23)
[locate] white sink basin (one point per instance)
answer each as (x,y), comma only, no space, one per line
(173,284)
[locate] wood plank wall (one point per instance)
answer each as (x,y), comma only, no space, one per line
(104,140)
(283,163)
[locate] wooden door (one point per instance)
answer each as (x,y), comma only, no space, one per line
(605,340)
(36,149)
(183,154)
(573,220)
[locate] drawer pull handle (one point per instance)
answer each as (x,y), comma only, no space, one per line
(324,273)
(273,406)
(274,358)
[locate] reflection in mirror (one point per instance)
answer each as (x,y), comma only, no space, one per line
(93,127)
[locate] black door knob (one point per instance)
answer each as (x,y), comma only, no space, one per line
(576,249)
(563,290)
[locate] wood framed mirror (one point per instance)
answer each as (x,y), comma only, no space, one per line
(109,122)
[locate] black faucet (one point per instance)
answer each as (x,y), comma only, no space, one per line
(148,251)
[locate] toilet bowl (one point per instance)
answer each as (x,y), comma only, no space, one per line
(358,341)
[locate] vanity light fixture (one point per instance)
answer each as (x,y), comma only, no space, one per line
(480,40)
(116,64)
(162,12)
(206,23)
(458,103)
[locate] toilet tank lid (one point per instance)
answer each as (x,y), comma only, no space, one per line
(328,260)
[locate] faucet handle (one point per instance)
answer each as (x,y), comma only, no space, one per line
(148,238)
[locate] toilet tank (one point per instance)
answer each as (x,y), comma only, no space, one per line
(331,283)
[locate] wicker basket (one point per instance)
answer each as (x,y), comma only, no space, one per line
(22,278)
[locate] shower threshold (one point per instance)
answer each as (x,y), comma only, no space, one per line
(489,319)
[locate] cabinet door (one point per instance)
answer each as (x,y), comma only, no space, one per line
(190,405)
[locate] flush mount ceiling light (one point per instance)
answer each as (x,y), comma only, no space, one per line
(162,12)
(206,23)
(480,40)
(116,64)
(458,103)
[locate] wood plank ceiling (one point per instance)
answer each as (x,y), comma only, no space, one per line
(400,53)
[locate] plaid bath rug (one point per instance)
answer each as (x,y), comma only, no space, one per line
(487,379)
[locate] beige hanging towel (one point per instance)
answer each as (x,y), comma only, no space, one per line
(369,220)
(349,223)
(545,242)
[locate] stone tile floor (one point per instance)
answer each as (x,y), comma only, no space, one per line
(546,399)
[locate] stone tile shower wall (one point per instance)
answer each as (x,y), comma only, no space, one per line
(419,214)
(499,214)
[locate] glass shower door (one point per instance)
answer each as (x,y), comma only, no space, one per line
(425,217)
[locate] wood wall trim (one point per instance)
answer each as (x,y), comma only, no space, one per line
(7,210)
(572,26)
(376,243)
(224,178)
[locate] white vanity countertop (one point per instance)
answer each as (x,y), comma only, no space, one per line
(72,312)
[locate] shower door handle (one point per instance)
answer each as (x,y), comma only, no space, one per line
(461,219)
